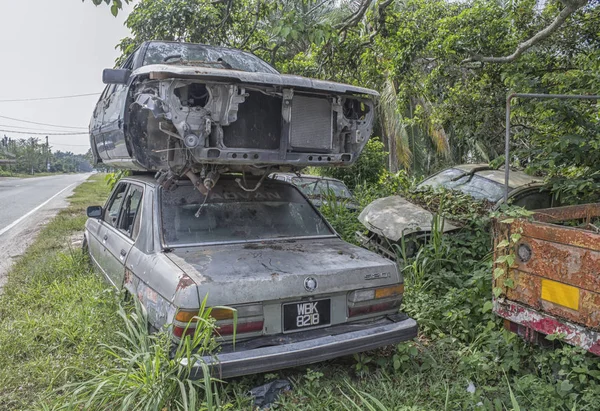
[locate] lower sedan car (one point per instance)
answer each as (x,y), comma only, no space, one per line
(301,293)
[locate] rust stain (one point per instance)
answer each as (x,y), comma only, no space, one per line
(184,282)
(558,234)
(575,266)
(128,277)
(557,214)
(573,334)
(562,253)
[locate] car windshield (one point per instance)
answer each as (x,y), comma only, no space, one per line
(205,56)
(230,214)
(318,186)
(477,187)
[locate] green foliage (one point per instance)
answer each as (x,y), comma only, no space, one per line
(34,157)
(142,373)
(368,169)
(436,109)
(113,178)
(115,5)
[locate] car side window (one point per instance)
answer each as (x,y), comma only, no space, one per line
(534,200)
(113,209)
(131,209)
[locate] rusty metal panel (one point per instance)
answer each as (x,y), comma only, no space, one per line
(552,215)
(573,334)
(558,275)
(571,236)
(575,266)
(528,291)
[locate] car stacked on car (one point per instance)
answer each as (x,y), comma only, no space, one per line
(212,124)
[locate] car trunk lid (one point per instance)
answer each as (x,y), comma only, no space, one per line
(263,271)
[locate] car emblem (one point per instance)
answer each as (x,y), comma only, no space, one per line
(310,284)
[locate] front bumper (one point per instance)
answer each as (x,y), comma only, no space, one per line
(370,243)
(295,349)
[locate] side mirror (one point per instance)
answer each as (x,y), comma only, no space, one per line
(116,76)
(94,212)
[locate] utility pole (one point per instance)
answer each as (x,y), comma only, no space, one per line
(47,155)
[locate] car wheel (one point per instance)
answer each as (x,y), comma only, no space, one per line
(84,246)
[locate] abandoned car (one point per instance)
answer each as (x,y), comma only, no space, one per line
(390,219)
(180,106)
(319,189)
(301,293)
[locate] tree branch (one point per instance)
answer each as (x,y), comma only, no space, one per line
(241,46)
(571,6)
(355,17)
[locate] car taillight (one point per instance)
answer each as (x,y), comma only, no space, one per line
(249,319)
(373,300)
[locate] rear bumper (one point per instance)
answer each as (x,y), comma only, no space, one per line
(334,342)
(546,324)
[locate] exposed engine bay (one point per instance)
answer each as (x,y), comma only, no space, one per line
(179,124)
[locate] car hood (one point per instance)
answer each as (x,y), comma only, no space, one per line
(240,273)
(164,71)
(392,217)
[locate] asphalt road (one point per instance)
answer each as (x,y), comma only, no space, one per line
(26,204)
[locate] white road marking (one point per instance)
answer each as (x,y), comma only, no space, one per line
(17,221)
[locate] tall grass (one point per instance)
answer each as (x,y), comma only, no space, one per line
(146,373)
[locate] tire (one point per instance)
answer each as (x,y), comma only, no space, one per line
(84,246)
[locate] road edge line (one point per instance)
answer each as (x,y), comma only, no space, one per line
(17,221)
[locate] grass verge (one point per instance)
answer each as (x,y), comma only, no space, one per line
(54,310)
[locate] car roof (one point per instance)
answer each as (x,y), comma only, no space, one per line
(149,178)
(516,178)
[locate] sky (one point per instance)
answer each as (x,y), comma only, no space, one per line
(55,48)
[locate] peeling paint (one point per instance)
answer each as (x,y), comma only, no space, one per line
(564,254)
(184,282)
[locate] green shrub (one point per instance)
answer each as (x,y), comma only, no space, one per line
(144,374)
(369,168)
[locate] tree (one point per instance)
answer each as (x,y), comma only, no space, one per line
(441,104)
(115,5)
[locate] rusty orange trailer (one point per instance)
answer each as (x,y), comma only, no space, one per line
(551,284)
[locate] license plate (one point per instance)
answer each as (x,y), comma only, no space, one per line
(306,314)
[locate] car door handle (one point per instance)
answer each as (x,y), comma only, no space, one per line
(105,238)
(123,253)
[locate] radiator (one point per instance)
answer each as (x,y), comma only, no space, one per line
(311,124)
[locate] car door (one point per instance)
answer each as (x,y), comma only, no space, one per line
(113,130)
(106,229)
(121,232)
(96,140)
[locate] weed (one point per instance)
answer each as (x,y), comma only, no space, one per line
(144,374)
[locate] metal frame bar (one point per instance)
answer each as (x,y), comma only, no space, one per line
(508,110)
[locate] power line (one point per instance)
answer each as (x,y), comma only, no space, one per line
(48,98)
(34,128)
(43,134)
(40,124)
(69,145)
